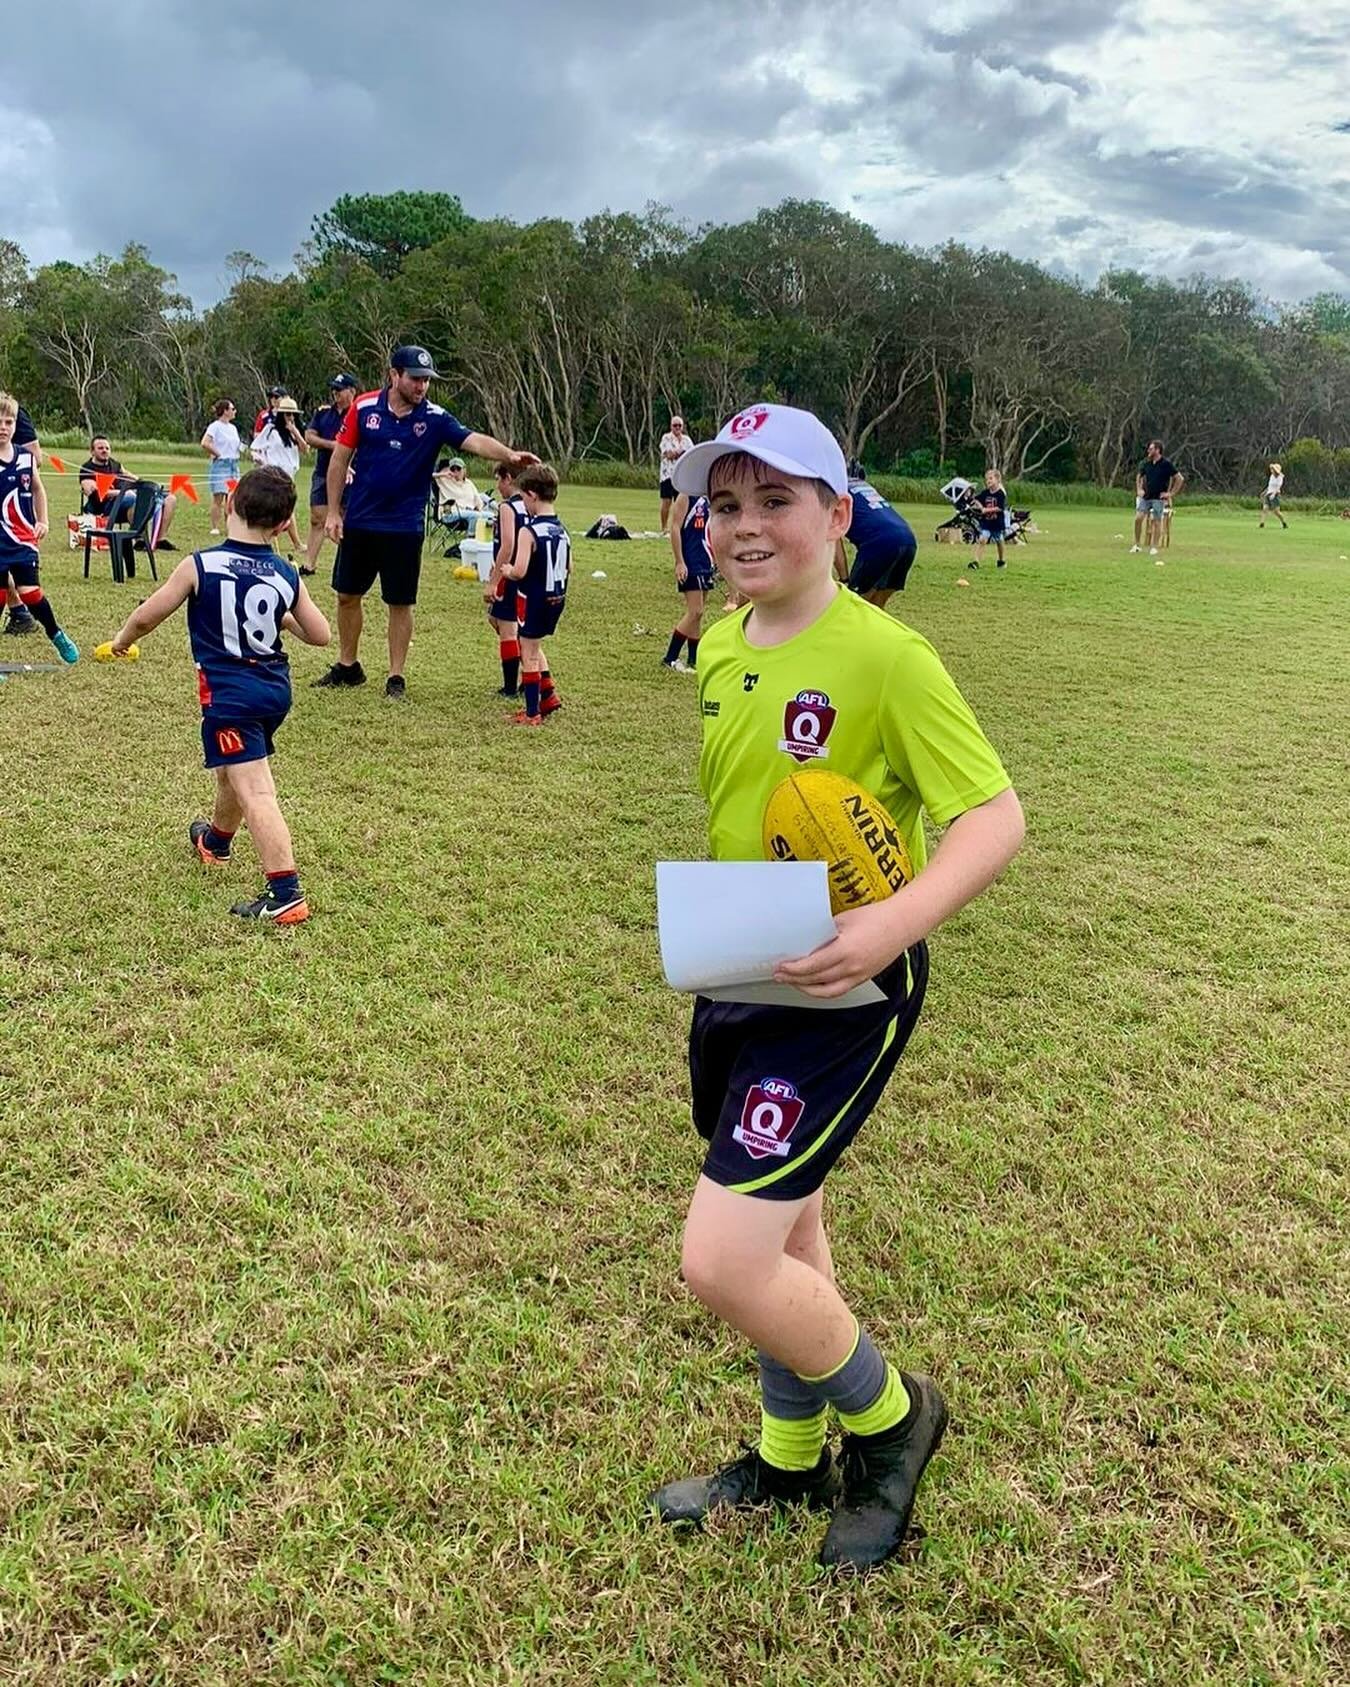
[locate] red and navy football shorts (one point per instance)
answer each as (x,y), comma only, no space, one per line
(505,605)
(539,615)
(780,1092)
(228,740)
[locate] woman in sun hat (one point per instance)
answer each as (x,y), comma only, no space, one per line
(278,445)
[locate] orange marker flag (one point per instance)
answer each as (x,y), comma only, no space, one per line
(183,483)
(56,462)
(105,484)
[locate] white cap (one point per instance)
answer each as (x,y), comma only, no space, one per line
(794,441)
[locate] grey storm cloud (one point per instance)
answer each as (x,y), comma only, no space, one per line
(1081,136)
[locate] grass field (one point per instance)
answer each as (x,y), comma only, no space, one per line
(341,1336)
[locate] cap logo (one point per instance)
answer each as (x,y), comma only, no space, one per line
(748,422)
(424,358)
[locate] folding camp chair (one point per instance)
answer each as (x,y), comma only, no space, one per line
(134,520)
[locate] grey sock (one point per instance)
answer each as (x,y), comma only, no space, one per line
(784,1393)
(859,1380)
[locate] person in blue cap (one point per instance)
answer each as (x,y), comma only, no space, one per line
(324,427)
(391,439)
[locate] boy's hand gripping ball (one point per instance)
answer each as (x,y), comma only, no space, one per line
(106,653)
(820,816)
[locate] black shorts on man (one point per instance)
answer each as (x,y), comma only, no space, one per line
(395,559)
(668,489)
(780,1092)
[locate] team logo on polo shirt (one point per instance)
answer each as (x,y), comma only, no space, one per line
(373,421)
(748,422)
(419,428)
(808,721)
(771,1113)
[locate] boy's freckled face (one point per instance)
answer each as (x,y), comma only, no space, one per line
(769,531)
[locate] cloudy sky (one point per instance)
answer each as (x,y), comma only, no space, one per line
(1191,135)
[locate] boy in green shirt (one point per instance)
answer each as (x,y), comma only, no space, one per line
(810,673)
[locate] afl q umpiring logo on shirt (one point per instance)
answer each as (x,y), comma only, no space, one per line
(808,721)
(748,422)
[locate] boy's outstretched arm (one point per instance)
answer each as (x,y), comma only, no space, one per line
(975,849)
(306,620)
(173,594)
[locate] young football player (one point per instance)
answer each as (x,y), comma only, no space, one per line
(780,1092)
(884,542)
(542,560)
(695,575)
(993,502)
(240,597)
(500,594)
(23,527)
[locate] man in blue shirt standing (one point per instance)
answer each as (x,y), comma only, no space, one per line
(395,436)
(324,427)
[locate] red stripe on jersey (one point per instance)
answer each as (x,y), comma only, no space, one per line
(346,434)
(203,689)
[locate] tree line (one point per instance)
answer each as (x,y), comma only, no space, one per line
(581,339)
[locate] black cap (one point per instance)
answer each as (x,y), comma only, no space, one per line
(413,360)
(340,381)
(276,392)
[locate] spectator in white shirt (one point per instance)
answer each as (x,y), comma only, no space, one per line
(674,444)
(1270,498)
(221,444)
(278,445)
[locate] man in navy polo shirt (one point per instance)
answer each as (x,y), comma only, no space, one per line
(395,436)
(324,427)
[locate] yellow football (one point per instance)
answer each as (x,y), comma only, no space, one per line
(105,653)
(819,816)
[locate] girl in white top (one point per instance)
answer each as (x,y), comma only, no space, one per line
(1270,498)
(221,444)
(278,445)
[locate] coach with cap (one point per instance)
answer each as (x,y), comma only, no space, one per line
(324,426)
(391,439)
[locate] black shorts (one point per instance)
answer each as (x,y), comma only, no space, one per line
(22,570)
(395,559)
(779,1093)
(539,615)
(668,489)
(881,570)
(697,580)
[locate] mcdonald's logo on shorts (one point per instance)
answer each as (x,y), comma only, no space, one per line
(229,742)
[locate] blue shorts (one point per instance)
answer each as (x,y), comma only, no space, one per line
(1154,507)
(229,741)
(779,1093)
(881,568)
(22,568)
(220,471)
(539,616)
(697,580)
(505,605)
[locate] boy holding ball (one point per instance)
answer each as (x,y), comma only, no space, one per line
(779,1092)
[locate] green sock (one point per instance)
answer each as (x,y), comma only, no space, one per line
(792,1443)
(889,1408)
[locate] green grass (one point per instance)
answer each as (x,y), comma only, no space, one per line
(340,1328)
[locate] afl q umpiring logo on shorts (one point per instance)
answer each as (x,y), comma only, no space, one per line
(772,1111)
(808,721)
(748,422)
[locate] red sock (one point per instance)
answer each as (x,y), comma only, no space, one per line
(549,699)
(509,650)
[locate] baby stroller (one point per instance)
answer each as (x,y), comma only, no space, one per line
(965,520)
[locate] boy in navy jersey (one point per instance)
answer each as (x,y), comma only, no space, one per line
(885,545)
(993,502)
(695,575)
(543,557)
(240,596)
(502,595)
(23,526)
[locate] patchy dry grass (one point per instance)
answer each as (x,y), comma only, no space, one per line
(340,1333)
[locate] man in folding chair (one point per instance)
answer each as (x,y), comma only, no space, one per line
(118,498)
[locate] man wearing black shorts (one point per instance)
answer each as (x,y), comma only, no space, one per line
(395,436)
